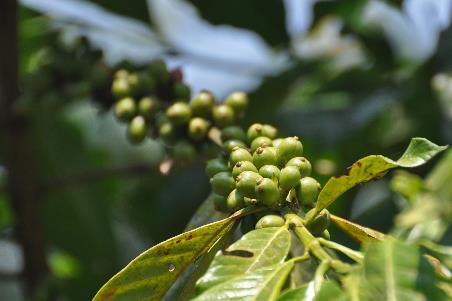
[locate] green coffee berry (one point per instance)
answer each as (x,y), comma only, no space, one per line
(125,109)
(219,201)
(326,234)
(242,166)
(320,223)
(269,171)
(303,165)
(148,107)
(222,183)
(254,131)
(239,154)
(307,191)
(260,142)
(134,82)
(184,152)
(203,103)
(229,145)
(238,101)
(159,71)
(269,131)
(215,166)
(289,148)
(198,128)
(277,142)
(250,201)
(223,115)
(145,83)
(267,192)
(167,131)
(234,201)
(121,73)
(181,91)
(264,156)
(246,183)
(270,220)
(289,177)
(179,113)
(209,150)
(120,88)
(233,133)
(137,130)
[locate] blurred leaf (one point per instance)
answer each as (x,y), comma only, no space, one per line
(372,167)
(152,273)
(261,285)
(328,291)
(407,184)
(63,265)
(256,249)
(359,233)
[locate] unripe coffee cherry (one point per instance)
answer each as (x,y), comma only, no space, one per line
(270,220)
(184,152)
(326,234)
(215,166)
(234,201)
(198,128)
(264,156)
(203,103)
(137,130)
(267,192)
(223,116)
(233,133)
(239,154)
(289,177)
(242,166)
(120,88)
(320,223)
(219,202)
(289,148)
(209,150)
(246,183)
(134,82)
(260,142)
(307,191)
(121,73)
(303,165)
(230,145)
(269,131)
(167,131)
(269,171)
(254,131)
(250,201)
(148,107)
(181,91)
(238,101)
(159,71)
(222,183)
(125,109)
(179,113)
(145,83)
(277,142)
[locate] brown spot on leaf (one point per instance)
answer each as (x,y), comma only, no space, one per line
(178,241)
(106,295)
(240,253)
(189,237)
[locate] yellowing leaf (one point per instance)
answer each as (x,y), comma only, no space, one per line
(357,232)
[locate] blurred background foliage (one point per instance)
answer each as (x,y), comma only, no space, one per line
(351,78)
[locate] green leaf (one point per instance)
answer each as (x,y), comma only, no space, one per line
(294,294)
(328,291)
(257,249)
(153,272)
(372,167)
(357,232)
(261,285)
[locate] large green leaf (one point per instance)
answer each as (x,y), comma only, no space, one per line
(152,273)
(372,167)
(261,285)
(357,232)
(257,249)
(328,291)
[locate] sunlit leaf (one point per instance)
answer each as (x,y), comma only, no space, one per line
(357,232)
(152,273)
(328,291)
(257,249)
(261,285)
(372,167)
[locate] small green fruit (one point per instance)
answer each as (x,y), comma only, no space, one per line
(234,201)
(239,154)
(320,223)
(167,132)
(230,145)
(222,183)
(223,116)
(269,131)
(326,234)
(198,128)
(209,150)
(125,109)
(260,142)
(254,131)
(307,191)
(270,220)
(159,71)
(179,113)
(148,107)
(267,192)
(215,166)
(137,130)
(145,83)
(121,73)
(242,166)
(289,148)
(246,183)
(121,88)
(134,82)
(233,133)
(219,202)
(289,177)
(238,101)
(277,142)
(181,91)
(250,201)
(303,165)
(264,156)
(269,171)
(203,103)
(184,152)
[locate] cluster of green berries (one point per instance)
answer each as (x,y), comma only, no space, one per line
(258,168)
